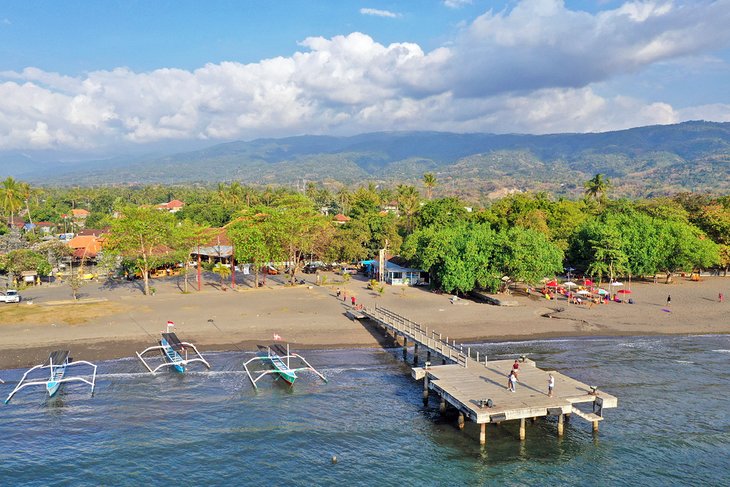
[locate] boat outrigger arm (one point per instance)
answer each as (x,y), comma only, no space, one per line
(57,364)
(276,355)
(174,353)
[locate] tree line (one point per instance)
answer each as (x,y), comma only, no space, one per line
(523,236)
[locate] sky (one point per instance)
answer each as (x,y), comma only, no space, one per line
(101,75)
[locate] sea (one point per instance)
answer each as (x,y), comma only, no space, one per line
(367,425)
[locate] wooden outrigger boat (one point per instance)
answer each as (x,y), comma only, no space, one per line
(175,354)
(279,358)
(57,363)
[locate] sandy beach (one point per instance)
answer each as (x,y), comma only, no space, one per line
(114,320)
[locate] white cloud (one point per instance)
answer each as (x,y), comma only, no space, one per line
(457,3)
(530,68)
(379,13)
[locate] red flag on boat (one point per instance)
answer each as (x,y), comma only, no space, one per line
(277,336)
(170,323)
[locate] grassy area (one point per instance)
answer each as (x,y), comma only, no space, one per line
(70,314)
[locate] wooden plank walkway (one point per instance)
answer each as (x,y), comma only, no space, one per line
(468,381)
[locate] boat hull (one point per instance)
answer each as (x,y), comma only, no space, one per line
(54,384)
(172,357)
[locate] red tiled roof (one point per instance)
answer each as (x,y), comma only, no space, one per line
(80,212)
(341,218)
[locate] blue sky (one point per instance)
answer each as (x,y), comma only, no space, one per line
(89,75)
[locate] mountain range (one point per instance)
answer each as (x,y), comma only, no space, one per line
(644,161)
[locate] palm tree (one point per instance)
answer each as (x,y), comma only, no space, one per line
(11,197)
(429,180)
(408,203)
(26,192)
(222,271)
(596,187)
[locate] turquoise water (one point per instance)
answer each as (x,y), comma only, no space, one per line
(210,428)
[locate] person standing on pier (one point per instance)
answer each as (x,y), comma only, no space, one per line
(551,385)
(516,367)
(512,381)
(669,300)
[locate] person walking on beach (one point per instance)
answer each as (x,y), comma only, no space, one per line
(551,385)
(338,293)
(669,300)
(353,301)
(721,297)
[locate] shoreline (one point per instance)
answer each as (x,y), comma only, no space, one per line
(18,358)
(121,321)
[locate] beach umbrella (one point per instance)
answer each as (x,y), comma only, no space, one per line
(552,283)
(587,282)
(583,291)
(570,284)
(602,292)
(616,283)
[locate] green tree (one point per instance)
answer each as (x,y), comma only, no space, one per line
(442,212)
(596,187)
(145,236)
(223,271)
(11,197)
(429,181)
(408,203)
(252,239)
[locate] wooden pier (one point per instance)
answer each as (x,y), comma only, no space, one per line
(477,387)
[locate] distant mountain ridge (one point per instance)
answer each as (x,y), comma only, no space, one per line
(641,161)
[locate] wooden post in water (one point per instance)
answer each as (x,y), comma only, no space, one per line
(595,426)
(560,424)
(442,406)
(522,429)
(415,354)
(425,390)
(428,355)
(483,434)
(405,348)
(461,420)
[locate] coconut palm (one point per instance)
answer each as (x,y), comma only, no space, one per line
(429,181)
(223,271)
(408,203)
(596,187)
(26,192)
(11,198)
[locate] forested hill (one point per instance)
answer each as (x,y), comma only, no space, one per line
(642,161)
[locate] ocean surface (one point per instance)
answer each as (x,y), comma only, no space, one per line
(672,426)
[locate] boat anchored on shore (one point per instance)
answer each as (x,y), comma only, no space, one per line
(57,363)
(279,359)
(175,354)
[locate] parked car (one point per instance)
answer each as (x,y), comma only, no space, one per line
(10,296)
(270,270)
(347,269)
(311,268)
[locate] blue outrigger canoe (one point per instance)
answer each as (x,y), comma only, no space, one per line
(175,354)
(279,358)
(57,363)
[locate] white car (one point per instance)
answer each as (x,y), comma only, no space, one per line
(10,296)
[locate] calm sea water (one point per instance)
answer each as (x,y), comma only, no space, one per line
(210,428)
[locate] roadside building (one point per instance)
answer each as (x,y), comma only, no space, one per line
(171,206)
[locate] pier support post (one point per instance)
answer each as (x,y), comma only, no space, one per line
(415,354)
(560,425)
(425,390)
(522,429)
(483,434)
(461,420)
(428,355)
(595,426)
(442,406)
(405,348)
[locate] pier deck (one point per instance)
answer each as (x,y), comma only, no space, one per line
(469,382)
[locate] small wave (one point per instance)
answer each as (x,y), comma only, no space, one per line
(685,362)
(722,351)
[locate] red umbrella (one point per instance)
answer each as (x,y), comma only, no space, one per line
(587,282)
(552,283)
(624,291)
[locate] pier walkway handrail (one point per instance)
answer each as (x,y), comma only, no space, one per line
(419,334)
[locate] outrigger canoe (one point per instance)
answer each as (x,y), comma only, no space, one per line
(279,359)
(57,363)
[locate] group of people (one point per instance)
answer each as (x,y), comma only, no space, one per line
(353,299)
(512,379)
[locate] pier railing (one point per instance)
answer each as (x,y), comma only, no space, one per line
(420,334)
